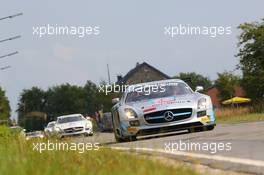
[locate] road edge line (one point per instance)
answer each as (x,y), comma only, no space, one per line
(239,164)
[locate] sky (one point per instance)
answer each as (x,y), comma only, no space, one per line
(130,32)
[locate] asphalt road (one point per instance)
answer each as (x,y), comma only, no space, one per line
(237,147)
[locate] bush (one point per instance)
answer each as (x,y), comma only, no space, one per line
(258,108)
(229,112)
(7,133)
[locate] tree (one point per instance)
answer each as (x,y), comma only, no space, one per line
(90,96)
(4,108)
(37,107)
(65,99)
(251,59)
(226,83)
(195,79)
(30,100)
(103,100)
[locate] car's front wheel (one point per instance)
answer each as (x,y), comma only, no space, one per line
(131,138)
(126,139)
(118,139)
(209,128)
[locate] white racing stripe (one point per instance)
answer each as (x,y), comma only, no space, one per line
(243,161)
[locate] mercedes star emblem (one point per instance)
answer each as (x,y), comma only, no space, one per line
(168,116)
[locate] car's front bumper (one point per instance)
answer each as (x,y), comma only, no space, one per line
(84,131)
(172,128)
(144,129)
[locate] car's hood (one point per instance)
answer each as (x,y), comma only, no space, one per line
(157,104)
(71,124)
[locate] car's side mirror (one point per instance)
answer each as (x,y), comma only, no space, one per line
(115,100)
(199,88)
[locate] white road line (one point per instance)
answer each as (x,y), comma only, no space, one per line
(250,162)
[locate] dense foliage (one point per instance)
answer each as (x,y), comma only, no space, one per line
(251,57)
(4,108)
(194,79)
(226,84)
(36,107)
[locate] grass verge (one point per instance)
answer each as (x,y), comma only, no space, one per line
(18,157)
(254,117)
(237,115)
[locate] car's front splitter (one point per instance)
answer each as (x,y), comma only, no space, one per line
(127,130)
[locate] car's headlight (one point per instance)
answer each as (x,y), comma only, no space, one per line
(88,125)
(130,113)
(57,129)
(202,103)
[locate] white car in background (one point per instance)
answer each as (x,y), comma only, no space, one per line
(50,128)
(74,124)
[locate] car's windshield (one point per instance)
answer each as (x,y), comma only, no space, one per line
(69,119)
(174,89)
(51,125)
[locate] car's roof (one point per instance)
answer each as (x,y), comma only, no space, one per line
(14,127)
(34,132)
(70,115)
(158,82)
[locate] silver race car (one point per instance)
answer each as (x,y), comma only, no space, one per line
(74,124)
(159,107)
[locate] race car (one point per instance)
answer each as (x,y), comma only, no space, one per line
(49,130)
(159,107)
(34,135)
(74,124)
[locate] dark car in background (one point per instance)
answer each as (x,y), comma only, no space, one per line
(107,122)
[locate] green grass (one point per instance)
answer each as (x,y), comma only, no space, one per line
(18,158)
(238,115)
(247,117)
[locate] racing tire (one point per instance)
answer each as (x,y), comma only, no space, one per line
(209,128)
(118,139)
(131,139)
